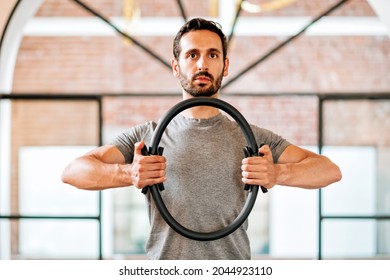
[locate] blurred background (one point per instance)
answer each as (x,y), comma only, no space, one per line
(75,74)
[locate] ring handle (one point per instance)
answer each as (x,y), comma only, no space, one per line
(250,150)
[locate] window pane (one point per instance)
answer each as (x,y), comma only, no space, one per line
(41,191)
(290,207)
(131,221)
(45,135)
(39,129)
(360,129)
(383,228)
(349,238)
(355,194)
(58,239)
(357,138)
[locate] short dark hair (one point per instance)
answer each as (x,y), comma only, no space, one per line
(199,24)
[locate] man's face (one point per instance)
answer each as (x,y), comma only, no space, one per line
(201,66)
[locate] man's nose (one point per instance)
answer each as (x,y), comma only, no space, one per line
(202,64)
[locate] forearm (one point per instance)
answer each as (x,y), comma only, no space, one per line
(91,174)
(311,173)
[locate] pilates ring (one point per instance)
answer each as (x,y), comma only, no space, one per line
(250,150)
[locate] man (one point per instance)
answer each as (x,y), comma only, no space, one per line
(202,166)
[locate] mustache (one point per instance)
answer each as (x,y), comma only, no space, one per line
(203,73)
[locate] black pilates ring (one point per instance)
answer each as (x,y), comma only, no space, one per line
(250,150)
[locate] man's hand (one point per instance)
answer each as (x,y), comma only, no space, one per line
(147,170)
(260,170)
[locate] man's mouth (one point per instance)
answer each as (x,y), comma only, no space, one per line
(203,77)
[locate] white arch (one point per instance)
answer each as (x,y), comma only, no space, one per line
(9,50)
(382,9)
(11,41)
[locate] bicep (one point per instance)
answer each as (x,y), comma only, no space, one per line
(294,154)
(107,154)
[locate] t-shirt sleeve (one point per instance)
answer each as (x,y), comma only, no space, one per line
(125,141)
(276,142)
(125,144)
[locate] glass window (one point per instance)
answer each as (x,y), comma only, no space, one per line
(41,191)
(44,136)
(58,239)
(345,238)
(359,133)
(356,193)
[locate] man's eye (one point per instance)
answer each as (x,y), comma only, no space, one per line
(213,55)
(193,55)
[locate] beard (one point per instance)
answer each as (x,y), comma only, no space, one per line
(201,89)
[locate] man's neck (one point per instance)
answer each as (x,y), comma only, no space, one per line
(200,112)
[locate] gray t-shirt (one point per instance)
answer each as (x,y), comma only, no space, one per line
(203,191)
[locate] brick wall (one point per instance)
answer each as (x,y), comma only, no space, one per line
(295,117)
(108,65)
(313,64)
(68,8)
(357,123)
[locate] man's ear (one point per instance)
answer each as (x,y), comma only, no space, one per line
(175,68)
(226,67)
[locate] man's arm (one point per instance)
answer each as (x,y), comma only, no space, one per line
(105,167)
(296,167)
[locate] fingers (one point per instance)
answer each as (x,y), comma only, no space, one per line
(259,179)
(143,179)
(138,147)
(151,163)
(147,170)
(257,176)
(146,174)
(267,155)
(266,151)
(139,157)
(259,170)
